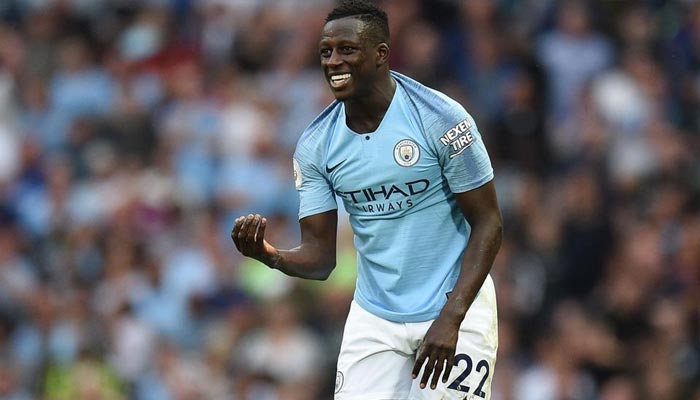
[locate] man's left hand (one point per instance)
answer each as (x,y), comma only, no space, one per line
(438,349)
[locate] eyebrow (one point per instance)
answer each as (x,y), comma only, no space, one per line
(343,40)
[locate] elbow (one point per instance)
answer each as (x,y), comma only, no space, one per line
(498,239)
(323,273)
(498,224)
(496,229)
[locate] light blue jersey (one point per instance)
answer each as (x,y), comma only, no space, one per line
(397,184)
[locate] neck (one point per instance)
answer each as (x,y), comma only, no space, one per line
(364,114)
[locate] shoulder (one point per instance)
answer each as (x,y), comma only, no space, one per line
(314,137)
(434,109)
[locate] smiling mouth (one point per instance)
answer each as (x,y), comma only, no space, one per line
(339,80)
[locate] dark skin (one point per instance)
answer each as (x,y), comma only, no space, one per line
(345,48)
(480,208)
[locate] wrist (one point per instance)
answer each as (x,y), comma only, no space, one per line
(453,313)
(272,258)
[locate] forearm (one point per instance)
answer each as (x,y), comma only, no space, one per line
(484,243)
(313,259)
(306,261)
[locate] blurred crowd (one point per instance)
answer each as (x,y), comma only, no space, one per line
(132,134)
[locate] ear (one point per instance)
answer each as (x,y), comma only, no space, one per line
(382,50)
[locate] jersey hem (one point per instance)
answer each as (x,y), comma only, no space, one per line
(315,211)
(396,317)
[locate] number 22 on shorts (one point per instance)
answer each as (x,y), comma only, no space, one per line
(481,367)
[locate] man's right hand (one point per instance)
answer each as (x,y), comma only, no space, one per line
(248,235)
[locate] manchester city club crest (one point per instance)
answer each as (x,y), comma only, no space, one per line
(339,380)
(406,153)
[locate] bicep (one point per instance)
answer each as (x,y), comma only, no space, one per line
(480,204)
(319,230)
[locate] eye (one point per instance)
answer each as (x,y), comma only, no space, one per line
(347,49)
(325,53)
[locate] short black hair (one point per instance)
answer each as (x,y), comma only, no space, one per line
(374,17)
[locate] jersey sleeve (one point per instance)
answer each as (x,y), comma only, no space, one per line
(461,152)
(315,192)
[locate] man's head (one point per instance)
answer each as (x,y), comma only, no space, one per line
(375,19)
(354,48)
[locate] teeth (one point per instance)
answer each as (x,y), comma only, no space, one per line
(338,78)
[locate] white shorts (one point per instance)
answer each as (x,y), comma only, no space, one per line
(377,356)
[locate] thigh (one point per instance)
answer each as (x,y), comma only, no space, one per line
(470,378)
(375,360)
(475,358)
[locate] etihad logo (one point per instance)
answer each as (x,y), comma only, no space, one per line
(386,192)
(384,198)
(458,138)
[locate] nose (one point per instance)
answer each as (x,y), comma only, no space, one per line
(334,60)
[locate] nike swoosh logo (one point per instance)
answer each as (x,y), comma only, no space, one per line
(331,169)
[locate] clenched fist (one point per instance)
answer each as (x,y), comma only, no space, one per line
(248,235)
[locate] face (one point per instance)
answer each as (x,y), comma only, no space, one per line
(350,63)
